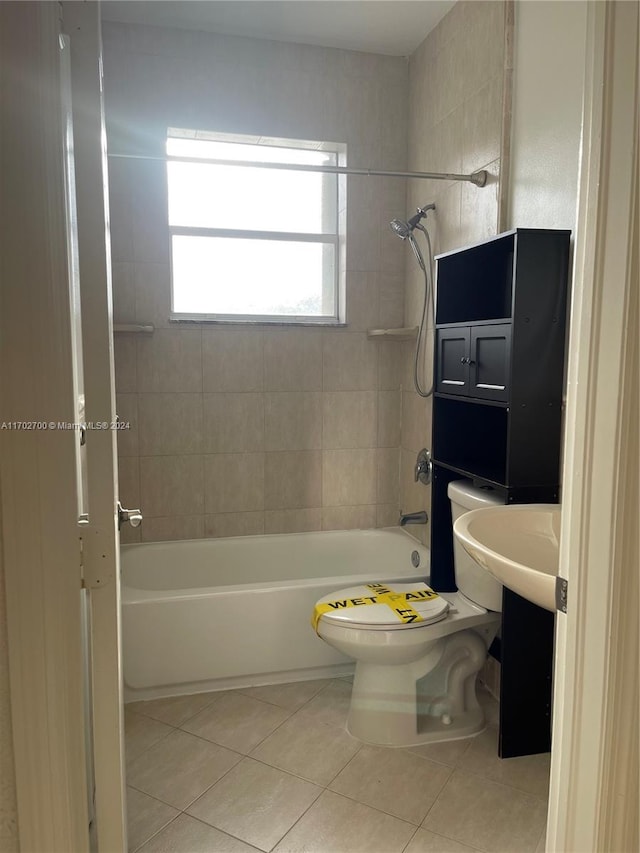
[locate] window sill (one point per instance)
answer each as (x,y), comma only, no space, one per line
(279,322)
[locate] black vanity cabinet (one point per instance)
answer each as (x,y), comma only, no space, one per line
(497,409)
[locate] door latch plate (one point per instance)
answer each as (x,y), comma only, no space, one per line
(562,586)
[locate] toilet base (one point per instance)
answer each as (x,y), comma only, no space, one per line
(429,729)
(402,705)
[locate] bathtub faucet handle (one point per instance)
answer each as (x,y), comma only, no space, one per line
(133,516)
(424,467)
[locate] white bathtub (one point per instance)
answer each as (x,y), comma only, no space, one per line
(210,614)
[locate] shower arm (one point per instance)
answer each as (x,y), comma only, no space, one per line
(479,179)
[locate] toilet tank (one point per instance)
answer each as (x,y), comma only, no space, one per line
(471,579)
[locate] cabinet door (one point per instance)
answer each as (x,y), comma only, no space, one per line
(452,360)
(489,358)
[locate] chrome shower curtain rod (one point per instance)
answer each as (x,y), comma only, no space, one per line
(478,178)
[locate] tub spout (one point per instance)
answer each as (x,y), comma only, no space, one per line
(420,517)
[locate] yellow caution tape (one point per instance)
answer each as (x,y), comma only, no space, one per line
(399,602)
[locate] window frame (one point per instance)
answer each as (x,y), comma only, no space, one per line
(332,281)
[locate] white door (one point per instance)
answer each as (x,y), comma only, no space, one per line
(59,532)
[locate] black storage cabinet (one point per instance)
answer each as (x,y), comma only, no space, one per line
(497,411)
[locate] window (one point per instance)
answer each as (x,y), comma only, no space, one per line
(251,241)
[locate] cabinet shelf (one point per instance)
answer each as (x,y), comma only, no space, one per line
(500,404)
(470,475)
(458,325)
(476,284)
(471,437)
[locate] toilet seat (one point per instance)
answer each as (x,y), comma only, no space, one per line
(382,607)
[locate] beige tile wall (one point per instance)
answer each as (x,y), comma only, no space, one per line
(236,430)
(457,78)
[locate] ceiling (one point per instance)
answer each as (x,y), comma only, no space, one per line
(394,27)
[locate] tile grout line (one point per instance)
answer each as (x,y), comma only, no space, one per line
(223,831)
(160,698)
(374,808)
(333,778)
(540,798)
(322,689)
(406,846)
(183,813)
(542,835)
(202,793)
(434,760)
(296,822)
(439,794)
(155,743)
(174,729)
(297,775)
(457,769)
(157,832)
(188,814)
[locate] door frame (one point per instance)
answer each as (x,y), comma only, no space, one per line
(593,801)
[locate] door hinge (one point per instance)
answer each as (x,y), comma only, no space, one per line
(97,558)
(562,587)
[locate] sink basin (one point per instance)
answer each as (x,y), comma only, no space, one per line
(518,545)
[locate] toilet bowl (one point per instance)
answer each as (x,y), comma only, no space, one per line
(417,652)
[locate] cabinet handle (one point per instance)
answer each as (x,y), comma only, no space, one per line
(465,360)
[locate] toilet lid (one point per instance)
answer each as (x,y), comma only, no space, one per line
(382,606)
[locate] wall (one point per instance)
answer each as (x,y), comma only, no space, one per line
(244,430)
(458,78)
(547,114)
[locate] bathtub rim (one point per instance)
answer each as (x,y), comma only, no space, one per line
(133,595)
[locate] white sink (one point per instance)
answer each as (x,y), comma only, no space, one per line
(518,545)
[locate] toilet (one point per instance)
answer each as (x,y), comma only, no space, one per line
(417,652)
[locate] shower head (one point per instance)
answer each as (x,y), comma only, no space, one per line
(401,228)
(404,229)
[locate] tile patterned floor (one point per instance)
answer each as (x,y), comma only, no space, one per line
(273,769)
